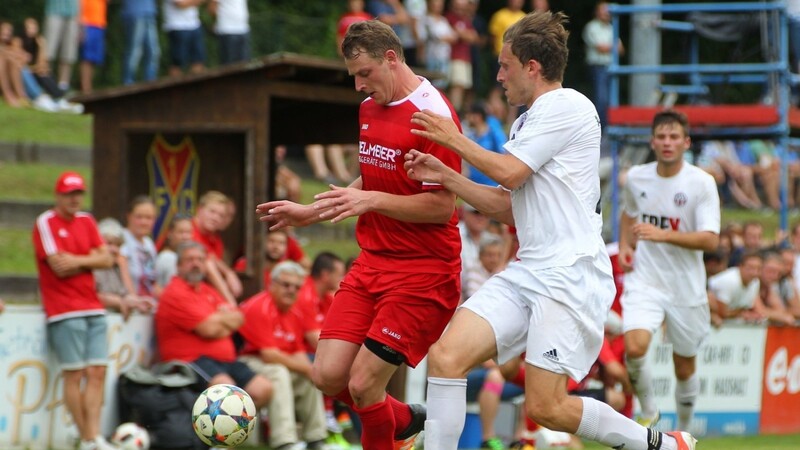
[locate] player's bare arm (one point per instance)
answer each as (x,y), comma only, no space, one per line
(504,168)
(427,207)
(693,240)
(283,213)
(492,201)
(627,242)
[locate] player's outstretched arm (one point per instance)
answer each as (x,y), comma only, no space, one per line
(283,213)
(426,207)
(492,201)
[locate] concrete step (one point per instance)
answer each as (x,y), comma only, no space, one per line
(21,214)
(34,152)
(19,288)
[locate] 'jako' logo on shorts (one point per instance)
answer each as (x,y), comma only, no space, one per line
(391,333)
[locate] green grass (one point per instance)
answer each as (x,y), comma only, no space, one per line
(17,251)
(30,125)
(739,443)
(34,182)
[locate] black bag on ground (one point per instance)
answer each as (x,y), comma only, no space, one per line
(161,400)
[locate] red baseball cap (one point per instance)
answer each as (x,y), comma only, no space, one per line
(70,182)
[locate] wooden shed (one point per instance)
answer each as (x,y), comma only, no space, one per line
(174,139)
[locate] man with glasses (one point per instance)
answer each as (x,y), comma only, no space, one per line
(274,333)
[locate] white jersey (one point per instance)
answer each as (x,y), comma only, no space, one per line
(728,288)
(686,202)
(556,211)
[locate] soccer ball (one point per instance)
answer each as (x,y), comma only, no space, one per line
(223,416)
(130,436)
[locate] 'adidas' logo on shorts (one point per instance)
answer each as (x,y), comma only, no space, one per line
(552,355)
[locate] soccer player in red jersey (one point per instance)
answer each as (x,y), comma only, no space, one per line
(405,284)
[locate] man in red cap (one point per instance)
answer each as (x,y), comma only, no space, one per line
(68,246)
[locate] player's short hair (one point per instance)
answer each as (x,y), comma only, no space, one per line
(669,117)
(541,36)
(372,37)
(325,261)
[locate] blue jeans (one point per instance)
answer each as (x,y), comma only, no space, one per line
(32,88)
(141,44)
(600,86)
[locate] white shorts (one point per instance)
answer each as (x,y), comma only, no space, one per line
(686,326)
(556,315)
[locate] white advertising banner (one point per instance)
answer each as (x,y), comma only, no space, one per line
(32,410)
(730,367)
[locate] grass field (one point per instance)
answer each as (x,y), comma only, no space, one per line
(30,125)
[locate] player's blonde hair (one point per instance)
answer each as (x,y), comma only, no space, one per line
(372,37)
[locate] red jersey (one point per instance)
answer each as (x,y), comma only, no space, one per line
(390,244)
(181,309)
(211,241)
(72,296)
(460,50)
(312,308)
(266,326)
(348,19)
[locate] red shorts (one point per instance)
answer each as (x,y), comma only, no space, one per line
(405,311)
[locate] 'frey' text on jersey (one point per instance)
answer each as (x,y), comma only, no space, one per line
(662,222)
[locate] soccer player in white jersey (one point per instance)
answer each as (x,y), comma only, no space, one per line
(405,284)
(553,301)
(671,214)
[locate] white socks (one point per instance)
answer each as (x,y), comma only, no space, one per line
(600,423)
(642,380)
(447,409)
(686,393)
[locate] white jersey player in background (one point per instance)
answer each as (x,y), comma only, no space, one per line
(671,214)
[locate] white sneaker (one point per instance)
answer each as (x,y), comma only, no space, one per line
(45,103)
(69,107)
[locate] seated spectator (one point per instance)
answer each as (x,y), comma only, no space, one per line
(473,228)
(715,262)
(788,290)
(274,332)
(491,255)
(180,230)
(328,163)
(752,241)
(733,292)
(287,183)
(20,86)
(487,132)
(195,324)
(35,46)
(275,246)
(735,178)
(776,296)
(213,211)
(139,252)
(109,285)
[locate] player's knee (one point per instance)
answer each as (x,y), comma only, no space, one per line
(543,412)
(635,350)
(444,362)
(683,373)
(326,382)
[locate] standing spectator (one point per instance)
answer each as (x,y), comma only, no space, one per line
(68,247)
(793,14)
(671,215)
(61,32)
(232,28)
(180,230)
(274,346)
(408,266)
(194,324)
(93,40)
(439,36)
(141,40)
(478,51)
(139,252)
(598,37)
(394,14)
(355,13)
(552,302)
(487,132)
(209,220)
(187,47)
(499,23)
(461,52)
